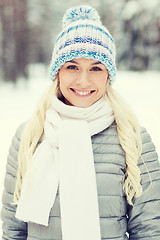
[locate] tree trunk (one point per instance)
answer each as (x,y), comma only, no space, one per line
(14,39)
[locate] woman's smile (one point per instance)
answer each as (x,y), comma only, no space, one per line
(82,93)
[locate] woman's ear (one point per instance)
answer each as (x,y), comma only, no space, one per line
(58,90)
(107,79)
(107,83)
(57,77)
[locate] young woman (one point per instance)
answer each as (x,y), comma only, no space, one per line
(82,168)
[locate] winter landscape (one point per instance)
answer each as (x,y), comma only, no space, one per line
(17,103)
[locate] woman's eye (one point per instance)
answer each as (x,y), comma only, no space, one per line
(96,69)
(72,67)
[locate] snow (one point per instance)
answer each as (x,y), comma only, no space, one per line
(131,8)
(17,103)
(150,5)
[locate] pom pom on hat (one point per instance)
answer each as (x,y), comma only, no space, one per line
(80,13)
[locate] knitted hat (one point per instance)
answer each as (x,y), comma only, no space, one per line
(83,35)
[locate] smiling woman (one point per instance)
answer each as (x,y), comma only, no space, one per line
(82,168)
(82,82)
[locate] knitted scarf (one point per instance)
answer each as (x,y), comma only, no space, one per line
(64,159)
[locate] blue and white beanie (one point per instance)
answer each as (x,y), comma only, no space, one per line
(83,35)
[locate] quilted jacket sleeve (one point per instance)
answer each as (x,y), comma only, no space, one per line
(12,227)
(144,216)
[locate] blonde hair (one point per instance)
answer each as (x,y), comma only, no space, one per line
(128,132)
(130,140)
(30,137)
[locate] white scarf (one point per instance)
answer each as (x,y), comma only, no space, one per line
(65,159)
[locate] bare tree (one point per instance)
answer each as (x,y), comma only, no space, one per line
(14,39)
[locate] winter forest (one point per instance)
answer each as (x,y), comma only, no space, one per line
(28,29)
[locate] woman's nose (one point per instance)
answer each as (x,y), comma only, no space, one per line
(83,79)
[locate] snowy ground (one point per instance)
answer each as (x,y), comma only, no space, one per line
(17,104)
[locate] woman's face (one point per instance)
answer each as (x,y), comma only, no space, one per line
(82,81)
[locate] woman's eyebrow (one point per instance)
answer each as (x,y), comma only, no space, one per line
(96,63)
(72,61)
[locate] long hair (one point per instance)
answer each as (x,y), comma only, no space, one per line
(130,140)
(30,137)
(128,132)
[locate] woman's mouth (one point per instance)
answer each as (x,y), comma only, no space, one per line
(82,93)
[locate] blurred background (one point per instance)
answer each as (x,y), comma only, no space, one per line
(28,30)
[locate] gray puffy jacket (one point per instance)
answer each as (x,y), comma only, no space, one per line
(118,220)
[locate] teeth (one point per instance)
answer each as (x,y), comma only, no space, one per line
(82,93)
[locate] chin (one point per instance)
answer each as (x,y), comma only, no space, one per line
(82,105)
